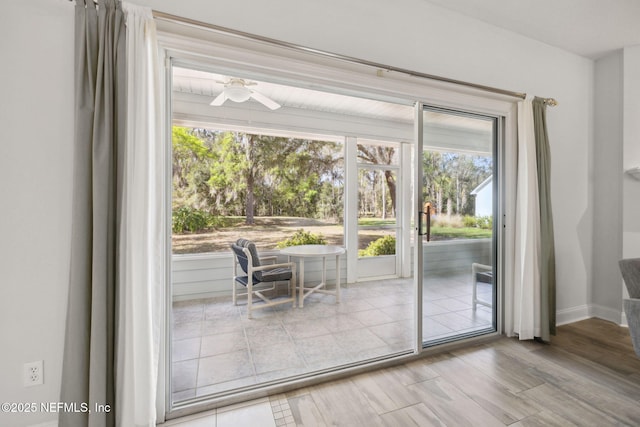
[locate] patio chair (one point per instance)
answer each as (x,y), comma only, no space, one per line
(260,275)
(630,269)
(480,273)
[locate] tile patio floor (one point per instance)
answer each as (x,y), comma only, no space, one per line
(216,348)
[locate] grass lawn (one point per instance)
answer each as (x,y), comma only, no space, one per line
(447,233)
(375,222)
(268,231)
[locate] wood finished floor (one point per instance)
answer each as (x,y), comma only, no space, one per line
(588,376)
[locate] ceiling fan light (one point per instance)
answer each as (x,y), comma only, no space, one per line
(237,93)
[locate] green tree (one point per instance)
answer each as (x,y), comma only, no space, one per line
(449,179)
(245,173)
(226,182)
(299,172)
(192,157)
(381,155)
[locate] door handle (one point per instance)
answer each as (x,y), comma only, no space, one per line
(423,226)
(424,223)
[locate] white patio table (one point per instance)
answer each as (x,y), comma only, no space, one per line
(315,251)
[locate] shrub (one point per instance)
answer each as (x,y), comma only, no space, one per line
(383,246)
(186,218)
(484,222)
(469,221)
(301,237)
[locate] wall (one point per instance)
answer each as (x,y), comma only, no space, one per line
(484,198)
(631,147)
(616,194)
(36,118)
(607,191)
(37,124)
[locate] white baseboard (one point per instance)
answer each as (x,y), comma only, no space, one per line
(607,313)
(574,314)
(47,424)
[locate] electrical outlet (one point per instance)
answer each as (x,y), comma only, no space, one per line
(33,373)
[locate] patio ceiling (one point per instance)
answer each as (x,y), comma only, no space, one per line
(211,85)
(312,113)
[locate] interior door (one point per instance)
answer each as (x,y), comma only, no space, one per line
(456,194)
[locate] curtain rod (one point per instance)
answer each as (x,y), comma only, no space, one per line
(179,19)
(249,36)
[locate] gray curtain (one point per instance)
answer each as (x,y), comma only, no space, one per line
(88,368)
(547,252)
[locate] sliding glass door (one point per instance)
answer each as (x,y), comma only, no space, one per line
(310,154)
(327,169)
(457,184)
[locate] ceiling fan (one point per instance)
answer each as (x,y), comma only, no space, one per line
(236,90)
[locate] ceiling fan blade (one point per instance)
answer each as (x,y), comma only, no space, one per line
(267,102)
(219,100)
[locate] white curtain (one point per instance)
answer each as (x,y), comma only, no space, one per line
(525,319)
(141,246)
